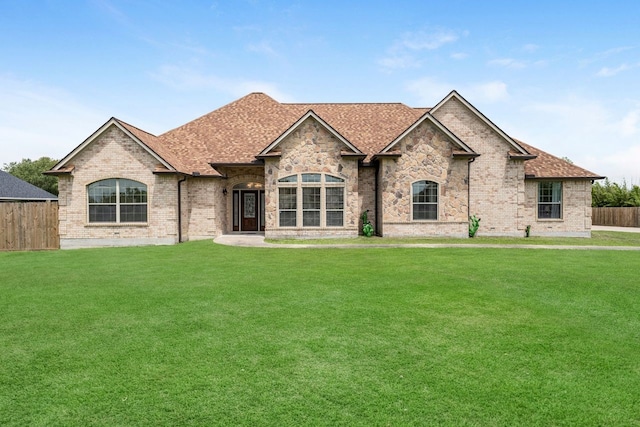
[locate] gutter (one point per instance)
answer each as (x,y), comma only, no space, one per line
(471,160)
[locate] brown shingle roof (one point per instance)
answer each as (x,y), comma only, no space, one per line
(546,165)
(237,132)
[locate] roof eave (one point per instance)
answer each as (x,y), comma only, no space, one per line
(549,178)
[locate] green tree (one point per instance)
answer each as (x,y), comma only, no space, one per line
(612,194)
(31,171)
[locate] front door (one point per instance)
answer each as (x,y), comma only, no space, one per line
(249,210)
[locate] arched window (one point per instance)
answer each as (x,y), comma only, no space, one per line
(321,204)
(117,200)
(425,200)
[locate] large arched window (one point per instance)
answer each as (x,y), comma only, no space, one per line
(321,203)
(117,200)
(425,200)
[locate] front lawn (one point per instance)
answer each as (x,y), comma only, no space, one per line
(598,238)
(202,334)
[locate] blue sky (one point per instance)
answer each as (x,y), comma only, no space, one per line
(559,75)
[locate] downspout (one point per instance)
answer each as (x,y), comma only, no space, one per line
(375,198)
(184,178)
(471,160)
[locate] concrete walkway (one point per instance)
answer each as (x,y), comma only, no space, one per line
(257,241)
(621,229)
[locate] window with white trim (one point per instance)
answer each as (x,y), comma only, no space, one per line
(550,200)
(321,204)
(424,200)
(117,200)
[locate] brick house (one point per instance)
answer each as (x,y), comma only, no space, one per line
(310,170)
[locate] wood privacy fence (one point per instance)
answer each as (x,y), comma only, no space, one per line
(29,226)
(618,217)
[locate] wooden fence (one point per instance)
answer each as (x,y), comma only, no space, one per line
(618,217)
(29,226)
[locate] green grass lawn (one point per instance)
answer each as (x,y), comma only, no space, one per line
(598,238)
(201,334)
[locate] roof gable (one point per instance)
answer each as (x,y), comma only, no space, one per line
(519,150)
(428,117)
(14,188)
(309,114)
(142,138)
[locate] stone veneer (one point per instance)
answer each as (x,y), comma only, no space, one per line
(114,155)
(310,148)
(426,154)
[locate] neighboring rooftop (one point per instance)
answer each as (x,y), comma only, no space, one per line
(13,188)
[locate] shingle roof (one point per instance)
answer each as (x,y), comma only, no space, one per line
(546,165)
(13,188)
(237,132)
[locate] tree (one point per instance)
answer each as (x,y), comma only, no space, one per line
(31,171)
(614,195)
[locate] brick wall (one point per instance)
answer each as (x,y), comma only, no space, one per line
(576,210)
(114,155)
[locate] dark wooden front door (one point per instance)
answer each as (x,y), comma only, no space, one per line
(249,210)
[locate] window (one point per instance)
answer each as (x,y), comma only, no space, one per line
(550,200)
(425,200)
(117,200)
(321,204)
(288,205)
(335,206)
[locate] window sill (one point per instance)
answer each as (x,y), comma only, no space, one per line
(550,220)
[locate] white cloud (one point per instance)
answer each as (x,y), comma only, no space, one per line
(38,120)
(508,63)
(609,72)
(628,126)
(459,55)
(190,79)
(427,40)
(398,62)
(429,91)
(402,54)
(530,47)
(263,48)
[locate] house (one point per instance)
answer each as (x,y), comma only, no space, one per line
(309,170)
(13,189)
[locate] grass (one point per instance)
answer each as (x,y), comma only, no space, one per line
(598,238)
(201,334)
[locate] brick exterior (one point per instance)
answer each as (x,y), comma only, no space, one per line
(492,186)
(576,210)
(114,155)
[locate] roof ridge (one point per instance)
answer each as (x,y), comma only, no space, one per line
(133,126)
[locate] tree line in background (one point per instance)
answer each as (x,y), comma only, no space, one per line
(609,193)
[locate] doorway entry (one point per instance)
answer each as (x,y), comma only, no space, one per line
(248,207)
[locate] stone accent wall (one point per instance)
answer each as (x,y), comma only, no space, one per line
(576,210)
(497,183)
(114,155)
(426,154)
(311,149)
